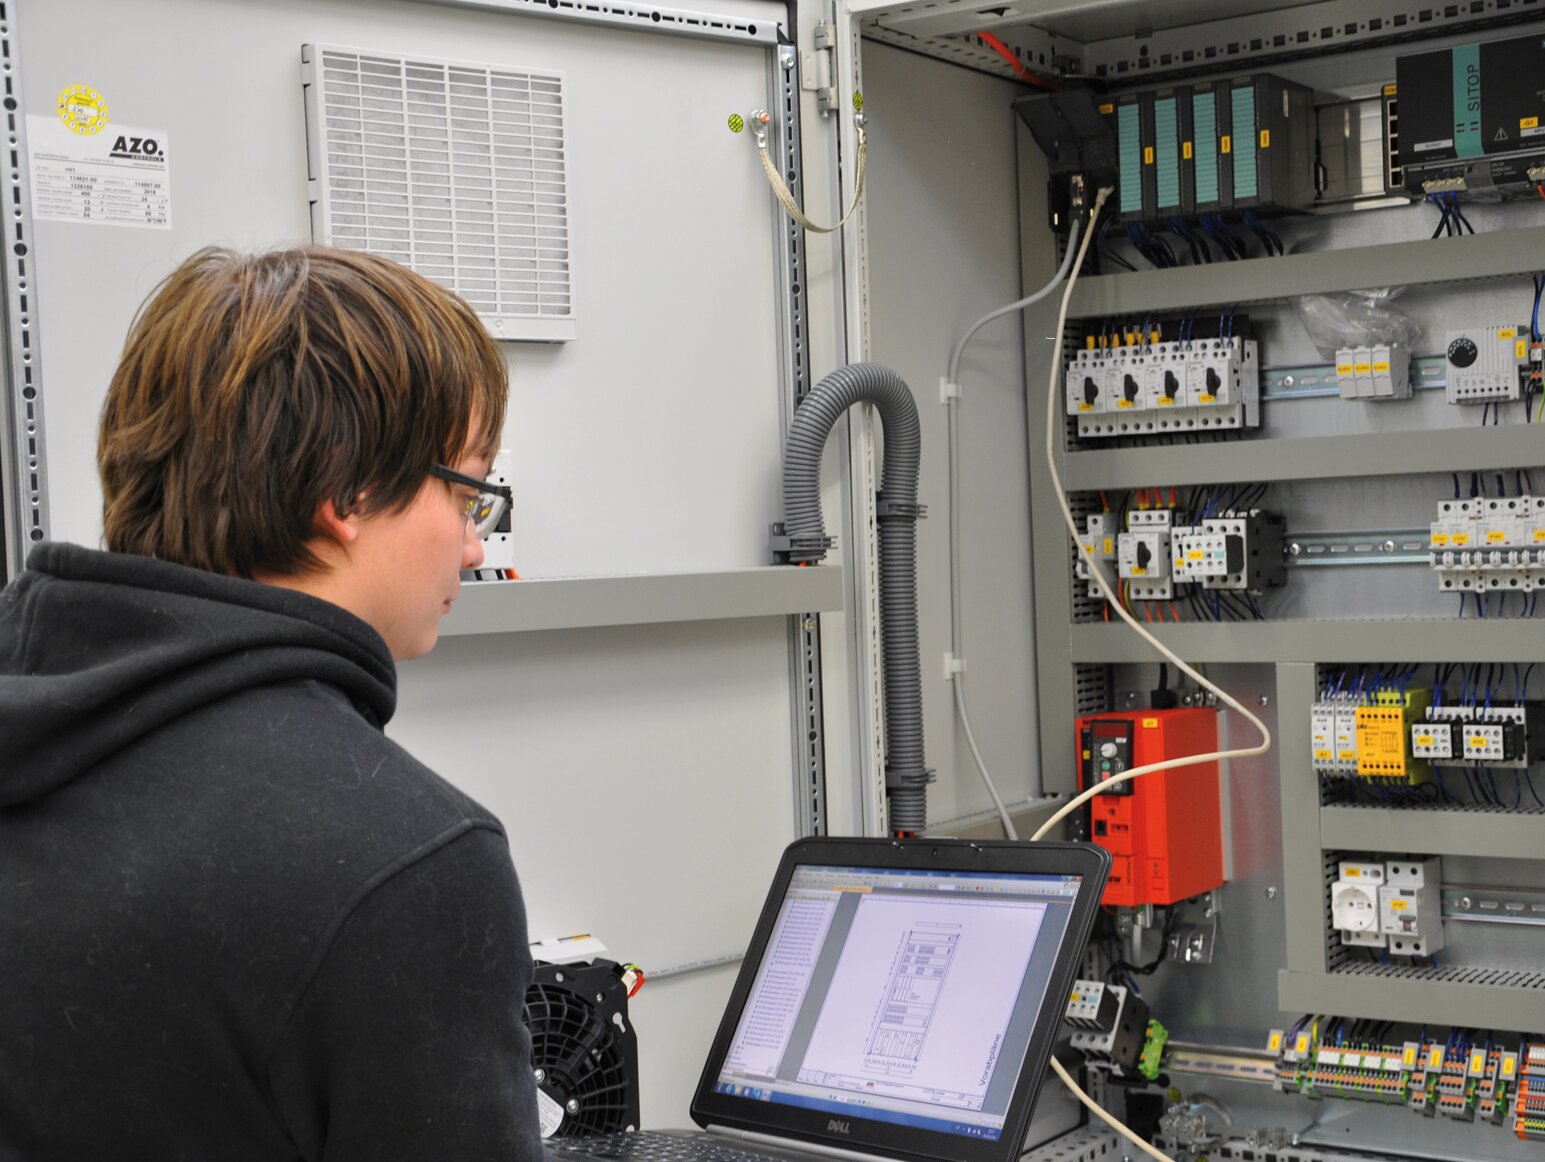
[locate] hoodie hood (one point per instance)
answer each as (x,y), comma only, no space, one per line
(99,649)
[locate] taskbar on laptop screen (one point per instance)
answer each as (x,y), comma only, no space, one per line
(900,996)
(989,1129)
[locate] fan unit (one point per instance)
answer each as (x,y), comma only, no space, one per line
(456,170)
(583,1049)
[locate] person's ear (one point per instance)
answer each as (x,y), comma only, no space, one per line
(336,527)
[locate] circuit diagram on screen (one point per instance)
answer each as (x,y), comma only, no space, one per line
(911,999)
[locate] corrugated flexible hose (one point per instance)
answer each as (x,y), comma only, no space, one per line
(906,775)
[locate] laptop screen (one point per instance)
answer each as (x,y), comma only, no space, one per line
(902,996)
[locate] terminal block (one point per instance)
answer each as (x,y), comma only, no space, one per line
(1357,1073)
(1410,909)
(1454,1090)
(1487,543)
(1495,1081)
(1146,386)
(1529,1105)
(1452,1077)
(1384,736)
(1119,1038)
(1374,372)
(1354,904)
(1483,363)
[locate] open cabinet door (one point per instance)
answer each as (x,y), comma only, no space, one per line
(645,710)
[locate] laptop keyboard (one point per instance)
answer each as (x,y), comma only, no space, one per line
(645,1146)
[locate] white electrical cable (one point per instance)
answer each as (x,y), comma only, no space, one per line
(957,649)
(1106,589)
(1104,1115)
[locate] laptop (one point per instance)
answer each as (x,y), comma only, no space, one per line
(900,1000)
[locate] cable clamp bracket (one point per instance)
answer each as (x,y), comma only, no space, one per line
(885,509)
(896,779)
(797,550)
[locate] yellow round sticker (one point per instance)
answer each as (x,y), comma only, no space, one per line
(83,110)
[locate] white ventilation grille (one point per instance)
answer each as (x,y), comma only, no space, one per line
(455,170)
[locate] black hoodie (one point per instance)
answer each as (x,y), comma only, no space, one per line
(236,921)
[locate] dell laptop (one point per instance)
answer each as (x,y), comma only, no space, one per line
(900,1000)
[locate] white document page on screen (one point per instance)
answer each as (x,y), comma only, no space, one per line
(921,1000)
(781,983)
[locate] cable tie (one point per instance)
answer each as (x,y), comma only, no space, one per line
(948,390)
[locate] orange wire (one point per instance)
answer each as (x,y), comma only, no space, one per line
(1104,504)
(1175,613)
(1172,496)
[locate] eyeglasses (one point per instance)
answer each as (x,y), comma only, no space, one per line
(487,508)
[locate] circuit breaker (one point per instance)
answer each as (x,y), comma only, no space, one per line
(1145,385)
(1410,909)
(1163,830)
(1142,556)
(1487,543)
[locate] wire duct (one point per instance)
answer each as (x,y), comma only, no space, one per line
(906,775)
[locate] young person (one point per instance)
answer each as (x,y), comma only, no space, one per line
(236,921)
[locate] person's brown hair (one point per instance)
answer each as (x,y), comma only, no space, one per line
(253,388)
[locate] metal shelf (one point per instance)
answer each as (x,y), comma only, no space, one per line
(643,599)
(1349,640)
(1307,457)
(1494,255)
(1433,832)
(1438,997)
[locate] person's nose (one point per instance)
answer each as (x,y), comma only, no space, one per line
(471,547)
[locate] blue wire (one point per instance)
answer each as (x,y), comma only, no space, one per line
(1530,780)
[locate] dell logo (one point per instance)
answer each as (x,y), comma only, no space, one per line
(837,1127)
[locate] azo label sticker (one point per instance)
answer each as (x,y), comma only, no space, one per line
(83,110)
(117,178)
